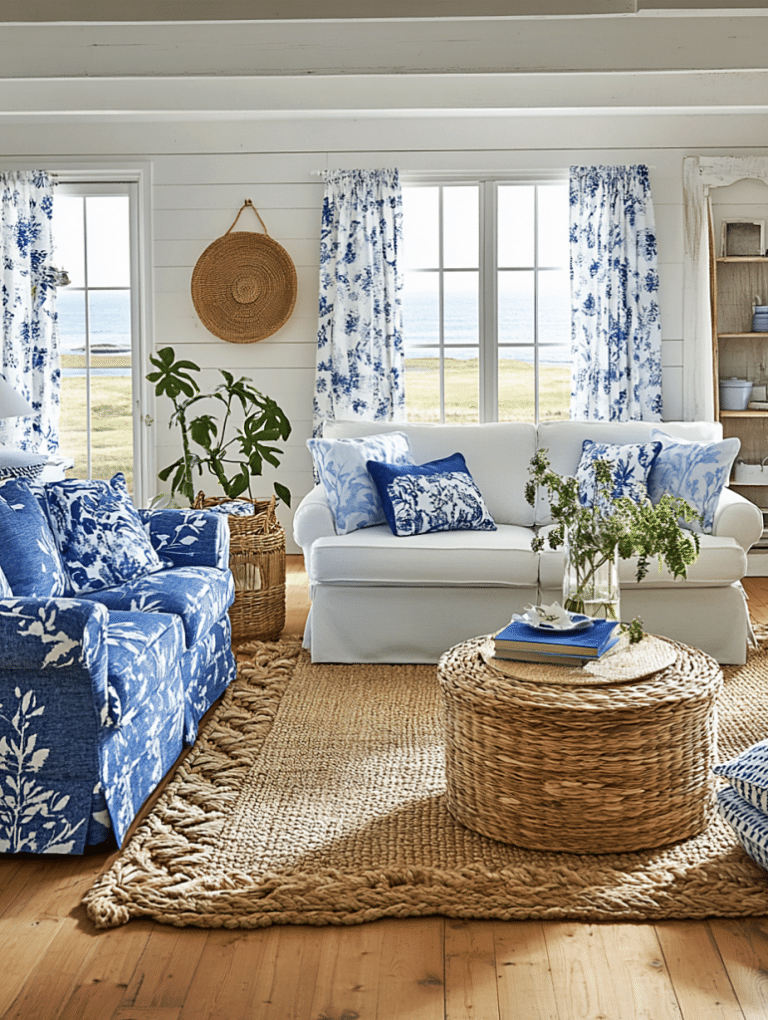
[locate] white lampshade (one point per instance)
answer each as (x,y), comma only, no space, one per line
(12,404)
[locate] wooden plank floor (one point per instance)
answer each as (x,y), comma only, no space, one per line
(55,966)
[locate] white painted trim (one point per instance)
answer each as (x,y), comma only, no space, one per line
(534,94)
(139,177)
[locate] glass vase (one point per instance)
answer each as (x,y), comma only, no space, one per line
(591,580)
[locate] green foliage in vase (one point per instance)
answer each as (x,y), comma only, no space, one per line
(595,533)
(220,445)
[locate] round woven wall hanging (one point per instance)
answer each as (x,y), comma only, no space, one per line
(244,285)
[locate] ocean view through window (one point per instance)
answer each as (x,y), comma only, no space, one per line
(486,303)
(92,231)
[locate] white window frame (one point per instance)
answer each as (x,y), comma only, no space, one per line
(488,185)
(136,182)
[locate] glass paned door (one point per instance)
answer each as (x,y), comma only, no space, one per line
(97,331)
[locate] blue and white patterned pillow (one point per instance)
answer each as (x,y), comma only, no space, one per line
(438,496)
(748,774)
(29,557)
(749,824)
(630,467)
(696,472)
(340,465)
(234,507)
(99,533)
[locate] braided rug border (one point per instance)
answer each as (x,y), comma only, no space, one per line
(168,869)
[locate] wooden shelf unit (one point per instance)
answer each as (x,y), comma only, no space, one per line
(738,351)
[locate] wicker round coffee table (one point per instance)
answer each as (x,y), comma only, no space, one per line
(598,767)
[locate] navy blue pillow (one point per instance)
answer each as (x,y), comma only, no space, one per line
(438,496)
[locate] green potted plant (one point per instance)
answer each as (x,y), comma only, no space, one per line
(595,537)
(233,454)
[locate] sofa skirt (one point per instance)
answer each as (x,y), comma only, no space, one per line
(418,624)
(404,623)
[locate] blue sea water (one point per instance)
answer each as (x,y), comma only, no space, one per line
(110,327)
(461,331)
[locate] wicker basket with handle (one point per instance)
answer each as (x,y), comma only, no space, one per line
(257,562)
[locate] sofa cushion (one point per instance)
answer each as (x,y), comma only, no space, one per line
(143,650)
(340,466)
(564,440)
(199,595)
(375,556)
(99,533)
(721,561)
(630,466)
(497,455)
(697,472)
(29,557)
(438,496)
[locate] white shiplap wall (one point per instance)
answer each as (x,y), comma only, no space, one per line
(203,170)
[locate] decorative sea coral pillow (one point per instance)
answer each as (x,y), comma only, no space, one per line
(340,465)
(29,557)
(99,533)
(630,467)
(438,496)
(696,472)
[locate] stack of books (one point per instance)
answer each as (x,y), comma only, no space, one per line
(522,643)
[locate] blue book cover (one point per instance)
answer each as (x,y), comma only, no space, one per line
(590,643)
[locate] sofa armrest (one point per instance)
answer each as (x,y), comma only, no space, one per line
(58,638)
(189,538)
(313,519)
(736,517)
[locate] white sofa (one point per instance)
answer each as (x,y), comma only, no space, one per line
(380,598)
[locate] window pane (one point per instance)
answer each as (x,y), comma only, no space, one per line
(554,307)
(68,232)
(70,314)
(516,320)
(516,384)
(421,309)
(461,227)
(461,313)
(73,420)
(110,322)
(462,398)
(111,425)
(515,225)
(108,236)
(422,385)
(421,229)
(553,225)
(554,382)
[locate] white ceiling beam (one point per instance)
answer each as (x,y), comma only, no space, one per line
(123,11)
(384,95)
(392,47)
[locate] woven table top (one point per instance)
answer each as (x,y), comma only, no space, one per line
(471,671)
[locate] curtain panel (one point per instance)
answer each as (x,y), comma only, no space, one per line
(615,325)
(29,356)
(360,370)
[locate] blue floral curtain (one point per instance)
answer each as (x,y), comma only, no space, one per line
(360,336)
(615,325)
(29,356)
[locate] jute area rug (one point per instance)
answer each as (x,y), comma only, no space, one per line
(315,796)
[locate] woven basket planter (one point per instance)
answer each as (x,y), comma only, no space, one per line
(257,562)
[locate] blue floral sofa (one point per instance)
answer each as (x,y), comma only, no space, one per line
(114,641)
